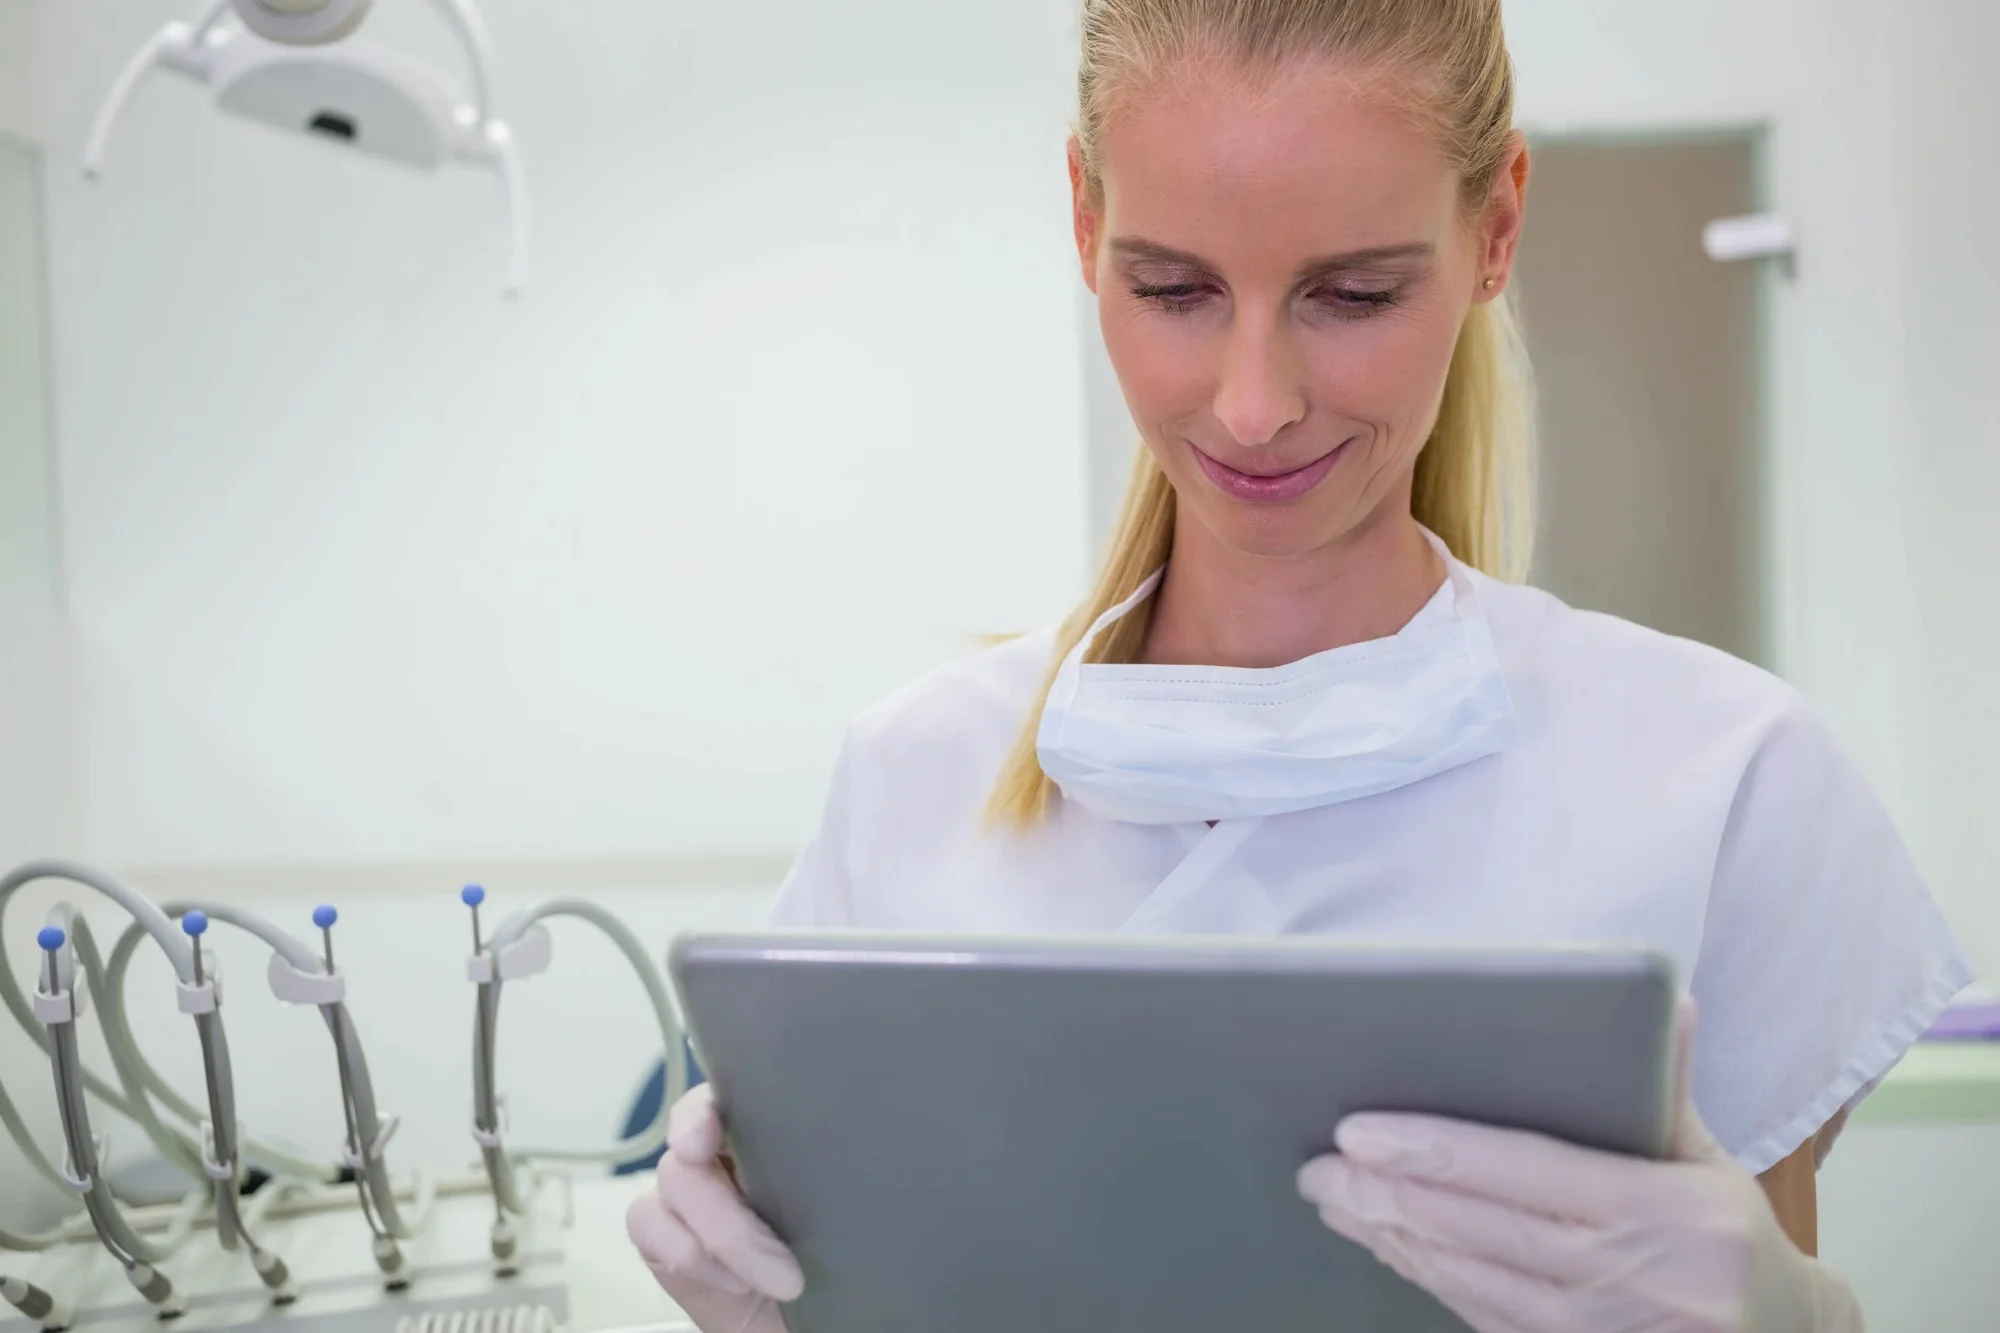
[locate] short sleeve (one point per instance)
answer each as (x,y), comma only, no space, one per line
(1823,957)
(816,893)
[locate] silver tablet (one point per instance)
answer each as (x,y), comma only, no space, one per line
(1035,1136)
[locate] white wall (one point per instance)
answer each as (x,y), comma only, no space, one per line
(1948,195)
(38,780)
(20,79)
(39,812)
(369,566)
(1907,1214)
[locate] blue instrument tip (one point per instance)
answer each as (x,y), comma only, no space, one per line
(51,938)
(472,895)
(195,923)
(324,917)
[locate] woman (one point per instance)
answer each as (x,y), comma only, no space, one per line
(1301,699)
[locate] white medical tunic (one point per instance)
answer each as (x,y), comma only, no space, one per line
(1659,793)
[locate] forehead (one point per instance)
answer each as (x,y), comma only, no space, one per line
(1314,158)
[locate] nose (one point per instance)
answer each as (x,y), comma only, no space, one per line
(1261,390)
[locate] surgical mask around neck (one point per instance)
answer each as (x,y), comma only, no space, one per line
(1174,744)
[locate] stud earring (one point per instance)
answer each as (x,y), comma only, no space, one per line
(1489,284)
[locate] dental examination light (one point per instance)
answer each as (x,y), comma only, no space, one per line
(295,64)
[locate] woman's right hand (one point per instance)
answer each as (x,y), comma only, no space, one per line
(705,1247)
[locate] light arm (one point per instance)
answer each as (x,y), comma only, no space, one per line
(178,47)
(169,38)
(513,181)
(465,21)
(491,144)
(203,25)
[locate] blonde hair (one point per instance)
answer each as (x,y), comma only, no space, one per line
(1472,485)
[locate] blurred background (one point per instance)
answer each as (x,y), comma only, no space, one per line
(326,574)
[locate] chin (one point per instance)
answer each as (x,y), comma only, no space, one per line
(1269,531)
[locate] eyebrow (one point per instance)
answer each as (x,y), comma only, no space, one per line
(1136,247)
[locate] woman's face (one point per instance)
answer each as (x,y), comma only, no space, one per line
(1282,269)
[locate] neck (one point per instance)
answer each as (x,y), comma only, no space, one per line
(1223,607)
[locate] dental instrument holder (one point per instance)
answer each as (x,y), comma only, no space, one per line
(58,1003)
(56,995)
(487,969)
(203,1000)
(62,1001)
(327,991)
(527,957)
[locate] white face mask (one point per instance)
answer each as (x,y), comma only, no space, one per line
(1178,744)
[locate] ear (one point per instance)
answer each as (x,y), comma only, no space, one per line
(1085,215)
(1500,223)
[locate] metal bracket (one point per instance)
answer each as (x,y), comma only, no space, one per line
(525,957)
(293,986)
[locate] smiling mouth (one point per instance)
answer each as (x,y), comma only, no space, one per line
(1268,488)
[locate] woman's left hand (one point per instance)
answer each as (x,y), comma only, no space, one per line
(1518,1233)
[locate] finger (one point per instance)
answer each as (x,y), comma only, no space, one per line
(1686,1017)
(1352,1198)
(707,1201)
(694,1127)
(763,1314)
(1691,1140)
(671,1250)
(1391,1253)
(709,1274)
(1489,1298)
(1407,1258)
(1509,1166)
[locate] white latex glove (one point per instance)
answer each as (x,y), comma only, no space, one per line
(1518,1233)
(707,1249)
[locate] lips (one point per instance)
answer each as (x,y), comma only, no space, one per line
(1259,475)
(1267,488)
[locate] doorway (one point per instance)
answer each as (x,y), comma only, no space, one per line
(1649,360)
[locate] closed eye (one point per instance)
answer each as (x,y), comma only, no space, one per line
(1354,302)
(1175,296)
(1167,291)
